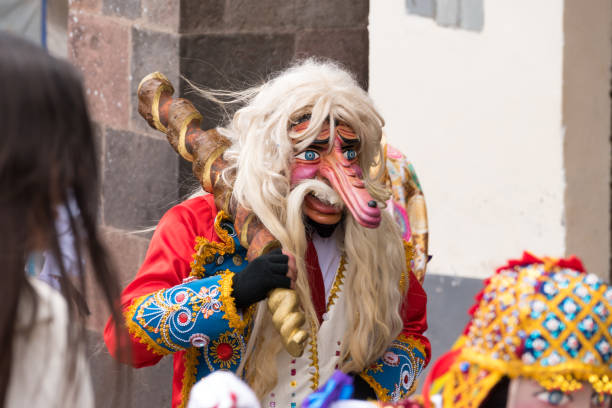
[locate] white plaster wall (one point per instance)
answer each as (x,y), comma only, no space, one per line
(479,115)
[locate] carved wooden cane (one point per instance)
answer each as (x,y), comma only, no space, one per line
(180,121)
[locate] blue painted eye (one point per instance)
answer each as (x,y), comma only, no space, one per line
(350,154)
(308,155)
(553,397)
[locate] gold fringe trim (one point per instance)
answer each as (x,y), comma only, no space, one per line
(137,332)
(314,358)
(228,305)
(566,377)
(205,250)
(190,360)
(414,343)
(338,281)
(382,394)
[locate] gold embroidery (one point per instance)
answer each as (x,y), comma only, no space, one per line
(406,344)
(227,339)
(205,250)
(314,353)
(513,296)
(138,332)
(413,342)
(382,394)
(557,377)
(164,327)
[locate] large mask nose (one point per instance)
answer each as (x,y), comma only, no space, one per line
(346,178)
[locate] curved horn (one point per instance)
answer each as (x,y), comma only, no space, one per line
(180,121)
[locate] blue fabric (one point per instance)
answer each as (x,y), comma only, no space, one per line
(176,317)
(395,373)
(338,387)
(191,315)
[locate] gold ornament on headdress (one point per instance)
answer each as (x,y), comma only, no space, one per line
(542,319)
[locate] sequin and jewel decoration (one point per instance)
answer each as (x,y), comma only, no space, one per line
(539,318)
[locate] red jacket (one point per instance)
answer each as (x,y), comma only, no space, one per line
(167,263)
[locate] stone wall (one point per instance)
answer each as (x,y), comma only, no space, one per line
(217,44)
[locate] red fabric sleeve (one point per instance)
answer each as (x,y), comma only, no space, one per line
(414,314)
(166,264)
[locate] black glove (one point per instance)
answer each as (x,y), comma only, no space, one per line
(264,273)
(363,391)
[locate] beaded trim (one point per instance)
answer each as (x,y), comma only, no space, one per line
(566,377)
(413,342)
(408,345)
(542,319)
(138,332)
(333,296)
(314,358)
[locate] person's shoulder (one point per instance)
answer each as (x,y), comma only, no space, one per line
(41,346)
(200,207)
(197,214)
(51,306)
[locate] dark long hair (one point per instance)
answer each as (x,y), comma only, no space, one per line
(47,156)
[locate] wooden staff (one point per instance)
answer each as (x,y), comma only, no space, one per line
(180,121)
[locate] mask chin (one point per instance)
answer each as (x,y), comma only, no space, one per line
(324,230)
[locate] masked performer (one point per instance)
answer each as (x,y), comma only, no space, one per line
(539,336)
(305,158)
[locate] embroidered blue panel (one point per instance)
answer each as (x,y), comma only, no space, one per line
(394,374)
(192,315)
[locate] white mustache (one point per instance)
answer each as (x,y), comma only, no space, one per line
(317,188)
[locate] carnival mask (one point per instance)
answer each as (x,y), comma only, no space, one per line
(335,161)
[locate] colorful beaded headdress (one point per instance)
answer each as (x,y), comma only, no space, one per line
(542,319)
